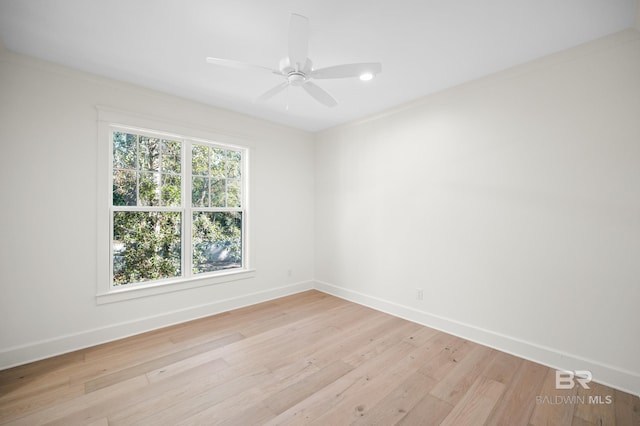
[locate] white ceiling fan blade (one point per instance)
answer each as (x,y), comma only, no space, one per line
(240,65)
(272,92)
(319,94)
(298,40)
(347,70)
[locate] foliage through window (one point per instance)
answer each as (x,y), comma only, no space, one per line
(177,208)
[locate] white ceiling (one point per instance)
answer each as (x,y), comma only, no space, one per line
(424,45)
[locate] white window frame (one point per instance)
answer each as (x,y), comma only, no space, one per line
(110,119)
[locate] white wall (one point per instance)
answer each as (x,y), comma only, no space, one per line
(48,139)
(513,201)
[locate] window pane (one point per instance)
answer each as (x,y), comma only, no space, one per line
(171,151)
(217,193)
(233,193)
(200,160)
(200,192)
(149,189)
(233,164)
(146,246)
(149,153)
(217,241)
(124,188)
(218,162)
(171,190)
(124,151)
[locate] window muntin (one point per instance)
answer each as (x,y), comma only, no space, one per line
(158,234)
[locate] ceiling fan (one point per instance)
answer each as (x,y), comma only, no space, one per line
(297,69)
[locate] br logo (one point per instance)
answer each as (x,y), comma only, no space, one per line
(568,379)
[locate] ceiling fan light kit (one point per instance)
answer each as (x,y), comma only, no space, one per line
(298,70)
(366,76)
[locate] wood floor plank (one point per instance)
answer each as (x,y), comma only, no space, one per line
(423,335)
(351,383)
(372,384)
(627,408)
(555,406)
(428,411)
(520,396)
(327,349)
(145,367)
(476,405)
(308,358)
(160,395)
(359,401)
(390,409)
(38,400)
(353,342)
(121,359)
(595,405)
(292,313)
(376,346)
(81,402)
(200,328)
(135,350)
(100,422)
(502,367)
(183,365)
(453,351)
(455,384)
(277,341)
(130,347)
(17,377)
(236,409)
(187,402)
(306,387)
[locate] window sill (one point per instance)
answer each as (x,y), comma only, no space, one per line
(145,290)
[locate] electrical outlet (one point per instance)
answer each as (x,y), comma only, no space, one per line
(419,294)
(289,272)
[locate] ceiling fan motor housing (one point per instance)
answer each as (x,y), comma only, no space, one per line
(296,78)
(296,75)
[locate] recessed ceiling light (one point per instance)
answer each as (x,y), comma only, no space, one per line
(366,76)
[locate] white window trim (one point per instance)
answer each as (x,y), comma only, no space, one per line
(106,292)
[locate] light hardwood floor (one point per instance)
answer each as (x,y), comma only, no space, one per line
(309,358)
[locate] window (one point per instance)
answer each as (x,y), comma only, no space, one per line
(177,210)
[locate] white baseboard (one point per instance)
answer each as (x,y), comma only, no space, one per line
(19,355)
(605,374)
